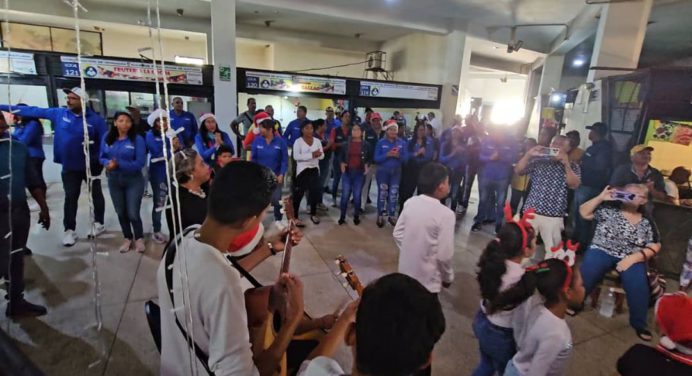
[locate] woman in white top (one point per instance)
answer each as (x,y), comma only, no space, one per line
(307,152)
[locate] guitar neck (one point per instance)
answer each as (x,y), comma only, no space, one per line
(288,250)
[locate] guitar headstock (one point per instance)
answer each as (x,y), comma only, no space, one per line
(347,272)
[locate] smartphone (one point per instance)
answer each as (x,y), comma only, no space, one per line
(623,196)
(549,152)
(395,149)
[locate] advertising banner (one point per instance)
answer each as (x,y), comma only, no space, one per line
(677,132)
(128,70)
(20,62)
(402,91)
(294,83)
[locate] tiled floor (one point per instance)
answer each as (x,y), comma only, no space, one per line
(65,342)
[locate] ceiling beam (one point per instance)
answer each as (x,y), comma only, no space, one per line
(304,38)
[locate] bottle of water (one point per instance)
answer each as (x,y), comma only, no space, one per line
(607,303)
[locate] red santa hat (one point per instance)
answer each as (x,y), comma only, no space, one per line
(673,313)
(244,243)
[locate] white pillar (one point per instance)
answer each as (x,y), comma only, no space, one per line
(455,73)
(552,73)
(620,36)
(223,56)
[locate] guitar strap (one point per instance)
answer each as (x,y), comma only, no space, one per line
(169,257)
(243,272)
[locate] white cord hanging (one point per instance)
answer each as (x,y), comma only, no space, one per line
(76,7)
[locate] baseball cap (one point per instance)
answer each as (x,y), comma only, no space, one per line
(76,91)
(375,115)
(261,117)
(599,127)
(639,148)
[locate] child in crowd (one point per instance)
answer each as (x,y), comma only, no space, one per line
(223,156)
(392,331)
(353,161)
(544,341)
(499,268)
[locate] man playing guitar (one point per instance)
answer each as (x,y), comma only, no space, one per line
(204,323)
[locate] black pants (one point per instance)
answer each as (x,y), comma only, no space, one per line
(409,182)
(72,183)
(469,177)
(36,165)
(307,181)
(10,261)
(517,198)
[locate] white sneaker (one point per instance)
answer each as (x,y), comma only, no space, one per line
(140,247)
(159,238)
(279,225)
(97,230)
(127,245)
(69,238)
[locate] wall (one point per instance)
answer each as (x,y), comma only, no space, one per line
(252,54)
(124,43)
(293,57)
(417,57)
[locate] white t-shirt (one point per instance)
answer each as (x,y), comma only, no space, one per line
(217,306)
(672,190)
(544,346)
(424,234)
(302,153)
(321,366)
(512,275)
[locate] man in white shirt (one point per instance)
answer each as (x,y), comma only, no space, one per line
(200,292)
(435,122)
(424,232)
(392,331)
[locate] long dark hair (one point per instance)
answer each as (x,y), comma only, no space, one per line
(204,132)
(113,130)
(548,278)
(414,139)
(491,265)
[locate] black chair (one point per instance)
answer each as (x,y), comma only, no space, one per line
(153,313)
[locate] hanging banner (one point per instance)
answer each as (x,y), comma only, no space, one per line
(130,71)
(677,132)
(402,91)
(22,63)
(294,83)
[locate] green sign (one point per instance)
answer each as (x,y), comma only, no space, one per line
(225,73)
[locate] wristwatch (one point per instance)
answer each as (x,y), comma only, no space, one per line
(271,248)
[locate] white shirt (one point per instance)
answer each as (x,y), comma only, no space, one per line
(320,366)
(217,306)
(512,275)
(672,190)
(545,347)
(302,153)
(437,124)
(424,234)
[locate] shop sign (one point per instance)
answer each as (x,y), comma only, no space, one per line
(677,132)
(225,73)
(130,71)
(22,63)
(402,91)
(294,83)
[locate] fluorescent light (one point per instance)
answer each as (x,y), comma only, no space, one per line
(578,62)
(556,98)
(188,60)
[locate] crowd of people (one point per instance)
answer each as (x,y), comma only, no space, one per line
(215,195)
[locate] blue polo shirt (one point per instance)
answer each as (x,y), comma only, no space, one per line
(188,122)
(157,165)
(384,146)
(130,155)
(273,155)
(31,135)
(292,132)
(500,169)
(427,156)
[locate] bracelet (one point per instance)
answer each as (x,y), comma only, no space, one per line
(271,249)
(643,254)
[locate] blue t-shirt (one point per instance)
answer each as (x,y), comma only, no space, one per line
(292,132)
(500,169)
(274,155)
(130,155)
(31,135)
(188,122)
(207,147)
(384,146)
(157,164)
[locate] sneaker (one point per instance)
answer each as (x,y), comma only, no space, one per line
(315,219)
(159,238)
(21,308)
(147,194)
(380,221)
(127,245)
(28,252)
(476,227)
(356,221)
(140,247)
(279,225)
(69,238)
(644,334)
(97,230)
(392,221)
(460,210)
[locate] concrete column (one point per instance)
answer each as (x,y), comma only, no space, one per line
(223,55)
(620,36)
(457,62)
(552,73)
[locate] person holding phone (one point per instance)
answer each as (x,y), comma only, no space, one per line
(390,154)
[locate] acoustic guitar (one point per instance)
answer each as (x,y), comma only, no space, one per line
(266,305)
(349,275)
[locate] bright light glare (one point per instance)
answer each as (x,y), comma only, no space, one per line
(555,98)
(295,88)
(188,60)
(578,62)
(507,112)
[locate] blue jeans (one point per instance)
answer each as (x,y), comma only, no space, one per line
(583,229)
(455,179)
(126,193)
(496,345)
(72,184)
(388,180)
(324,173)
(352,182)
(276,202)
(336,170)
(492,201)
(597,263)
(159,191)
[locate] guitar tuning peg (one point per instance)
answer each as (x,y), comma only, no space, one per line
(343,274)
(345,284)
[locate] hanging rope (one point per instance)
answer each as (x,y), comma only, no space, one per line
(9,236)
(76,7)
